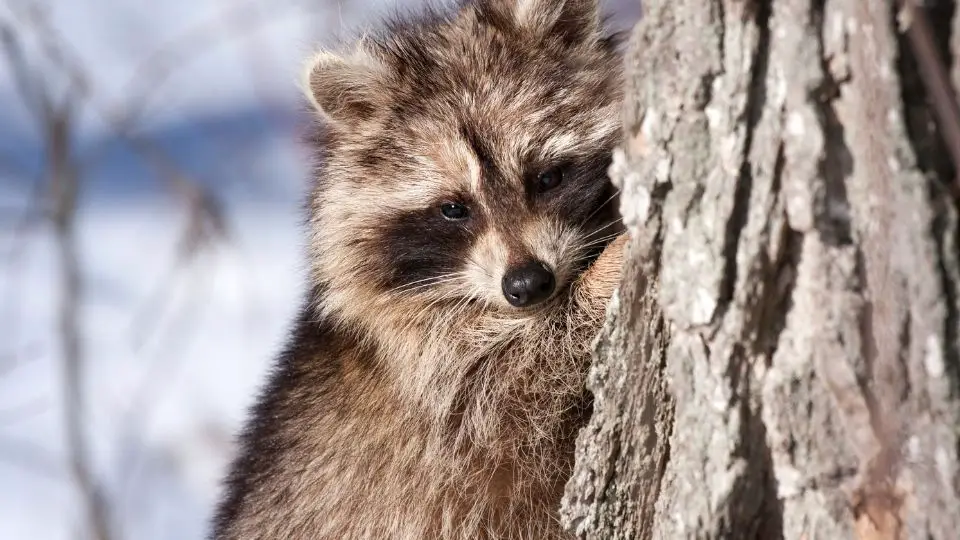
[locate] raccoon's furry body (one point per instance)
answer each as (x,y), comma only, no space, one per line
(433,385)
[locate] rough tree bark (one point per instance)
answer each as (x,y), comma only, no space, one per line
(783,359)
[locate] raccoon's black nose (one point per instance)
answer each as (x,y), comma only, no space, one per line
(529,284)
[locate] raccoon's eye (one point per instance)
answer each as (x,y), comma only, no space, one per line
(549,179)
(454,211)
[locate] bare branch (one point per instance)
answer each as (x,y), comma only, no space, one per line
(933,71)
(64,186)
(36,101)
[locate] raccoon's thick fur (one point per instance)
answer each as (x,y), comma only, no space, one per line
(461,262)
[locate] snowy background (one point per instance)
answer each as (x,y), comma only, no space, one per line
(180,123)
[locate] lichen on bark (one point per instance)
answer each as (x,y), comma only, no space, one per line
(783,357)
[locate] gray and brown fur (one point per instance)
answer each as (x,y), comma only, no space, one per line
(413,401)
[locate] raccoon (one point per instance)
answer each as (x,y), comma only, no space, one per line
(464,241)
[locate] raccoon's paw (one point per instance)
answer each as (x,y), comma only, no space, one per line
(597,284)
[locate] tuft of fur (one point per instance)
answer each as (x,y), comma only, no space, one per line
(413,401)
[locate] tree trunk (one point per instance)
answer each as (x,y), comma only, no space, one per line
(783,358)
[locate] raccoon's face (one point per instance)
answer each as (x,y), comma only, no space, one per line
(465,158)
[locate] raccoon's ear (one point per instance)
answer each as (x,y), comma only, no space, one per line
(575,21)
(343,88)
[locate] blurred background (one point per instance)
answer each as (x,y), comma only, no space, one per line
(151,176)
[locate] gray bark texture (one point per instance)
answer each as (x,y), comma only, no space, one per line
(783,357)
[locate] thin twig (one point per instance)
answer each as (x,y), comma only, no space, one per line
(933,72)
(64,186)
(36,101)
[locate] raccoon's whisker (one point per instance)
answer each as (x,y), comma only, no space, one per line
(586,246)
(461,305)
(583,251)
(420,281)
(599,229)
(585,258)
(440,276)
(589,249)
(601,240)
(582,256)
(604,203)
(426,282)
(482,268)
(434,302)
(429,284)
(422,287)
